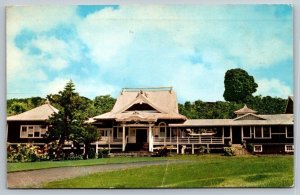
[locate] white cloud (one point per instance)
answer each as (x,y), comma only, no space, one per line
(137,46)
(273,87)
(54,86)
(93,87)
(37,18)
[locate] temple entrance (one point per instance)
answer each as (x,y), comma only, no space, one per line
(141,138)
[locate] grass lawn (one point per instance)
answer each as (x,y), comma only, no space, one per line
(12,167)
(201,171)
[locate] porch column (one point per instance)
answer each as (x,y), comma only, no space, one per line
(177,150)
(242,132)
(231,134)
(123,138)
(223,135)
(285,128)
(150,138)
(97,149)
(193,150)
(109,139)
(170,135)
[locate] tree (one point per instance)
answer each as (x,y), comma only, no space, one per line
(87,135)
(69,120)
(103,104)
(17,108)
(238,85)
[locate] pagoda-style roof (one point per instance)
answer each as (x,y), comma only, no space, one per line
(244,110)
(40,113)
(144,104)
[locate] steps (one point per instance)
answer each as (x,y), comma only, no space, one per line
(137,147)
(239,150)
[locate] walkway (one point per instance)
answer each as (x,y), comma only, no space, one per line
(36,178)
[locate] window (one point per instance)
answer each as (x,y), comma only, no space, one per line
(162,132)
(30,131)
(162,129)
(289,148)
(120,132)
(266,132)
(257,132)
(289,132)
(156,132)
(246,132)
(257,148)
(33,131)
(262,132)
(132,132)
(43,130)
(23,132)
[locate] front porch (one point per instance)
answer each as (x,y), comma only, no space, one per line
(149,137)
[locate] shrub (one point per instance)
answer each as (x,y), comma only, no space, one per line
(91,153)
(25,153)
(201,150)
(250,147)
(163,152)
(73,156)
(229,151)
(103,153)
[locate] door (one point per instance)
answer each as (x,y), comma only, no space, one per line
(141,136)
(236,135)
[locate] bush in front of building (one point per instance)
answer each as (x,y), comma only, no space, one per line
(201,150)
(103,153)
(25,153)
(250,147)
(229,151)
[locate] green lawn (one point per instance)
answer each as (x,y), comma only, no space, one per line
(201,171)
(12,167)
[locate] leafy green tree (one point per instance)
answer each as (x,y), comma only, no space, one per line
(69,120)
(17,108)
(238,85)
(19,105)
(267,104)
(103,104)
(87,135)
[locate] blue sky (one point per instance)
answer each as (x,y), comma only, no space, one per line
(107,47)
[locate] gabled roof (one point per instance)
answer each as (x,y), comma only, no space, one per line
(249,116)
(140,99)
(40,113)
(163,100)
(244,110)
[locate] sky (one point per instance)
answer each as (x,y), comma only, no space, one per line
(105,48)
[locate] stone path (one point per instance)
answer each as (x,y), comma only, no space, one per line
(36,178)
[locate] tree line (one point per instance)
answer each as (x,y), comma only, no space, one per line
(92,107)
(222,110)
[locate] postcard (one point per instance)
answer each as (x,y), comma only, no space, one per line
(150,96)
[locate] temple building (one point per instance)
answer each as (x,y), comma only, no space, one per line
(147,119)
